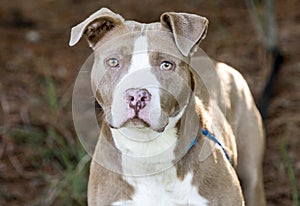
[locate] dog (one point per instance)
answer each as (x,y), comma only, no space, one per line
(177,135)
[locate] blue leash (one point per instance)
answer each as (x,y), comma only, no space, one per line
(213,138)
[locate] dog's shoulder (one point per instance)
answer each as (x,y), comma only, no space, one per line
(234,84)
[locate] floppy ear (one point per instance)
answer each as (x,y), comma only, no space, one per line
(95,26)
(188,30)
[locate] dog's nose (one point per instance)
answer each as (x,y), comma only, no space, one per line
(138,98)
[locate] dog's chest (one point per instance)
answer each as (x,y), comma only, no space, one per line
(164,189)
(157,183)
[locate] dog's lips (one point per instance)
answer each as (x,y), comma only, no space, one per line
(138,124)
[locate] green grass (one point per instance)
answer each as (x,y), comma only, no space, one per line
(290,170)
(60,162)
(70,160)
(63,167)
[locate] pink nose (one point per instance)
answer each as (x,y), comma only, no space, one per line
(137,98)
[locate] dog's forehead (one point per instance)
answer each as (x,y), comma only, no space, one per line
(122,39)
(159,38)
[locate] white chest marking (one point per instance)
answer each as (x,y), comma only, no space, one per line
(145,157)
(164,189)
(160,189)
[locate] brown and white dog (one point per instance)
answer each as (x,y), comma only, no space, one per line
(155,105)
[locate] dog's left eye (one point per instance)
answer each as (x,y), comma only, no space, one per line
(166,65)
(112,62)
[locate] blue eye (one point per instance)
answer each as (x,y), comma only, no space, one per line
(166,65)
(113,62)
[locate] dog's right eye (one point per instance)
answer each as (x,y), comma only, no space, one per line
(113,63)
(166,65)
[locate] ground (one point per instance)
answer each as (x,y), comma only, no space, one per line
(41,160)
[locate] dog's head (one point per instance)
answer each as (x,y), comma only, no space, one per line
(141,76)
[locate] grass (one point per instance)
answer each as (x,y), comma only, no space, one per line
(60,162)
(291,173)
(290,170)
(63,167)
(70,160)
(69,183)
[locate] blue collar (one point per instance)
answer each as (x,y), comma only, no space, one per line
(211,137)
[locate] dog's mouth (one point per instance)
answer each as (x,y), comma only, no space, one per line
(136,122)
(145,121)
(140,124)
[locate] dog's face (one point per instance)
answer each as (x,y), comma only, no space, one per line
(141,86)
(141,77)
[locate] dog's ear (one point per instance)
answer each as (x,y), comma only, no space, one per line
(95,26)
(188,30)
